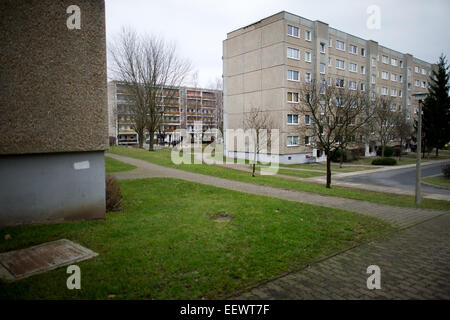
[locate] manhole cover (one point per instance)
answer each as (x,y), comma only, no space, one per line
(23,263)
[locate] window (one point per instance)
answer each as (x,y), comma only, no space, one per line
(417,83)
(340,83)
(340,45)
(409,72)
(385,75)
(293,31)
(352,85)
(393,77)
(384,91)
(401,64)
(339,102)
(416,69)
(424,84)
(292,119)
(293,75)
(340,64)
(307,119)
(322,68)
(363,52)
(353,49)
(400,79)
(363,87)
(409,86)
(394,62)
(385,59)
(353,67)
(329,62)
(424,72)
(307,35)
(292,97)
(329,81)
(322,47)
(400,93)
(374,62)
(373,79)
(330,42)
(363,70)
(308,77)
(393,92)
(307,141)
(293,53)
(308,56)
(292,141)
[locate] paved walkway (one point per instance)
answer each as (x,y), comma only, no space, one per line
(398,216)
(414,262)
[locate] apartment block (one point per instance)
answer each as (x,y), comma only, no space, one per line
(181,108)
(265,63)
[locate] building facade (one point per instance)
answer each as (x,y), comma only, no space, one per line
(53,105)
(181,108)
(265,63)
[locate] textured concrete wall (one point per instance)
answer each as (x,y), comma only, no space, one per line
(53,94)
(54,187)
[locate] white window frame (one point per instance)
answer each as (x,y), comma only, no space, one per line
(352,85)
(293,72)
(293,94)
(393,62)
(330,43)
(394,77)
(355,69)
(290,50)
(292,145)
(385,75)
(307,53)
(338,47)
(307,123)
(292,123)
(322,48)
(322,71)
(293,28)
(385,59)
(363,69)
(308,35)
(355,51)
(338,63)
(384,91)
(308,77)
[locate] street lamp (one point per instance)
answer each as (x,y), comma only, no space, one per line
(419,97)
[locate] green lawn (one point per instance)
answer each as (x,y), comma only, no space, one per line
(165,245)
(113,165)
(438,181)
(162,157)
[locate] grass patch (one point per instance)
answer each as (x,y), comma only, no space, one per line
(113,165)
(162,157)
(438,181)
(165,244)
(323,167)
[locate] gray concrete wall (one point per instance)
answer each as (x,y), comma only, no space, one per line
(54,187)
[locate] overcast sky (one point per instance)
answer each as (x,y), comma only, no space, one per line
(198,27)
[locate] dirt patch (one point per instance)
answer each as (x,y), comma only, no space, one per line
(220,216)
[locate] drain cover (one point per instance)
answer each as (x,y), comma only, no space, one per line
(23,263)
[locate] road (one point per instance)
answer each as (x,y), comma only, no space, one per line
(401,178)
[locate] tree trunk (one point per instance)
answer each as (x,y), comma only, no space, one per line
(141,138)
(342,159)
(401,149)
(152,141)
(328,171)
(382,151)
(254,169)
(437,152)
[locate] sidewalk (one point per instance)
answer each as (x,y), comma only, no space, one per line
(398,216)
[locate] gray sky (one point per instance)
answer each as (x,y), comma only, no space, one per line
(198,27)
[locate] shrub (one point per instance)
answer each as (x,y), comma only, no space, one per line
(113,194)
(336,157)
(384,162)
(446,170)
(388,151)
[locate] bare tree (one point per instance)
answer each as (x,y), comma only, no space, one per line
(259,123)
(337,115)
(151,68)
(125,53)
(385,120)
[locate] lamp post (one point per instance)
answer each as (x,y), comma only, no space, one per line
(419,97)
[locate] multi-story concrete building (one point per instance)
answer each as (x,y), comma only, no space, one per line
(265,63)
(181,107)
